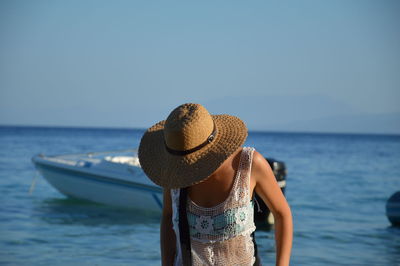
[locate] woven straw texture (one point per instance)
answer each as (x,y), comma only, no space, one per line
(176,171)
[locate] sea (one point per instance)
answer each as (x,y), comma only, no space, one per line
(337,188)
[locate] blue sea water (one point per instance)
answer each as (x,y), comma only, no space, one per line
(337,187)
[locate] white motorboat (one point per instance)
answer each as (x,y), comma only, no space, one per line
(113,178)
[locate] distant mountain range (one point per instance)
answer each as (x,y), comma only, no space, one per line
(360,123)
(306,113)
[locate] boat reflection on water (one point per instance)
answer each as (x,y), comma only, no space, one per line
(72,211)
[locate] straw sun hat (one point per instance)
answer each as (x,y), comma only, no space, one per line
(189,145)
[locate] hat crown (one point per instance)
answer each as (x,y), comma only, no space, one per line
(187,126)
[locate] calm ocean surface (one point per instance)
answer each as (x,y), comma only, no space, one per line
(337,187)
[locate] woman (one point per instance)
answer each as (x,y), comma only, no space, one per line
(209,181)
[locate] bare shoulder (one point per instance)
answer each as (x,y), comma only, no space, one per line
(258,159)
(260,166)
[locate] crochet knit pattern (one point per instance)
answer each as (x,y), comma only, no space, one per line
(221,235)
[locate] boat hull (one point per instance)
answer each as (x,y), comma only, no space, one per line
(101,189)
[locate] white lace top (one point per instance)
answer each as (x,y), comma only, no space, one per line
(221,235)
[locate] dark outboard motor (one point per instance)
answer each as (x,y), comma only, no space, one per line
(262,215)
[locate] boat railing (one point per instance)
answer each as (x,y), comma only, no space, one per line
(95,154)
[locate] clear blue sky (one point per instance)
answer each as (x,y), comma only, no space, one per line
(290,65)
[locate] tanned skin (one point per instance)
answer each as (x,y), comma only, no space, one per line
(216,189)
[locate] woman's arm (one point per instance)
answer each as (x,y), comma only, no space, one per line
(267,188)
(167,235)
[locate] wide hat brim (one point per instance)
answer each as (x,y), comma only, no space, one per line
(176,171)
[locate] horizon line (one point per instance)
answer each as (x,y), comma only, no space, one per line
(250,130)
